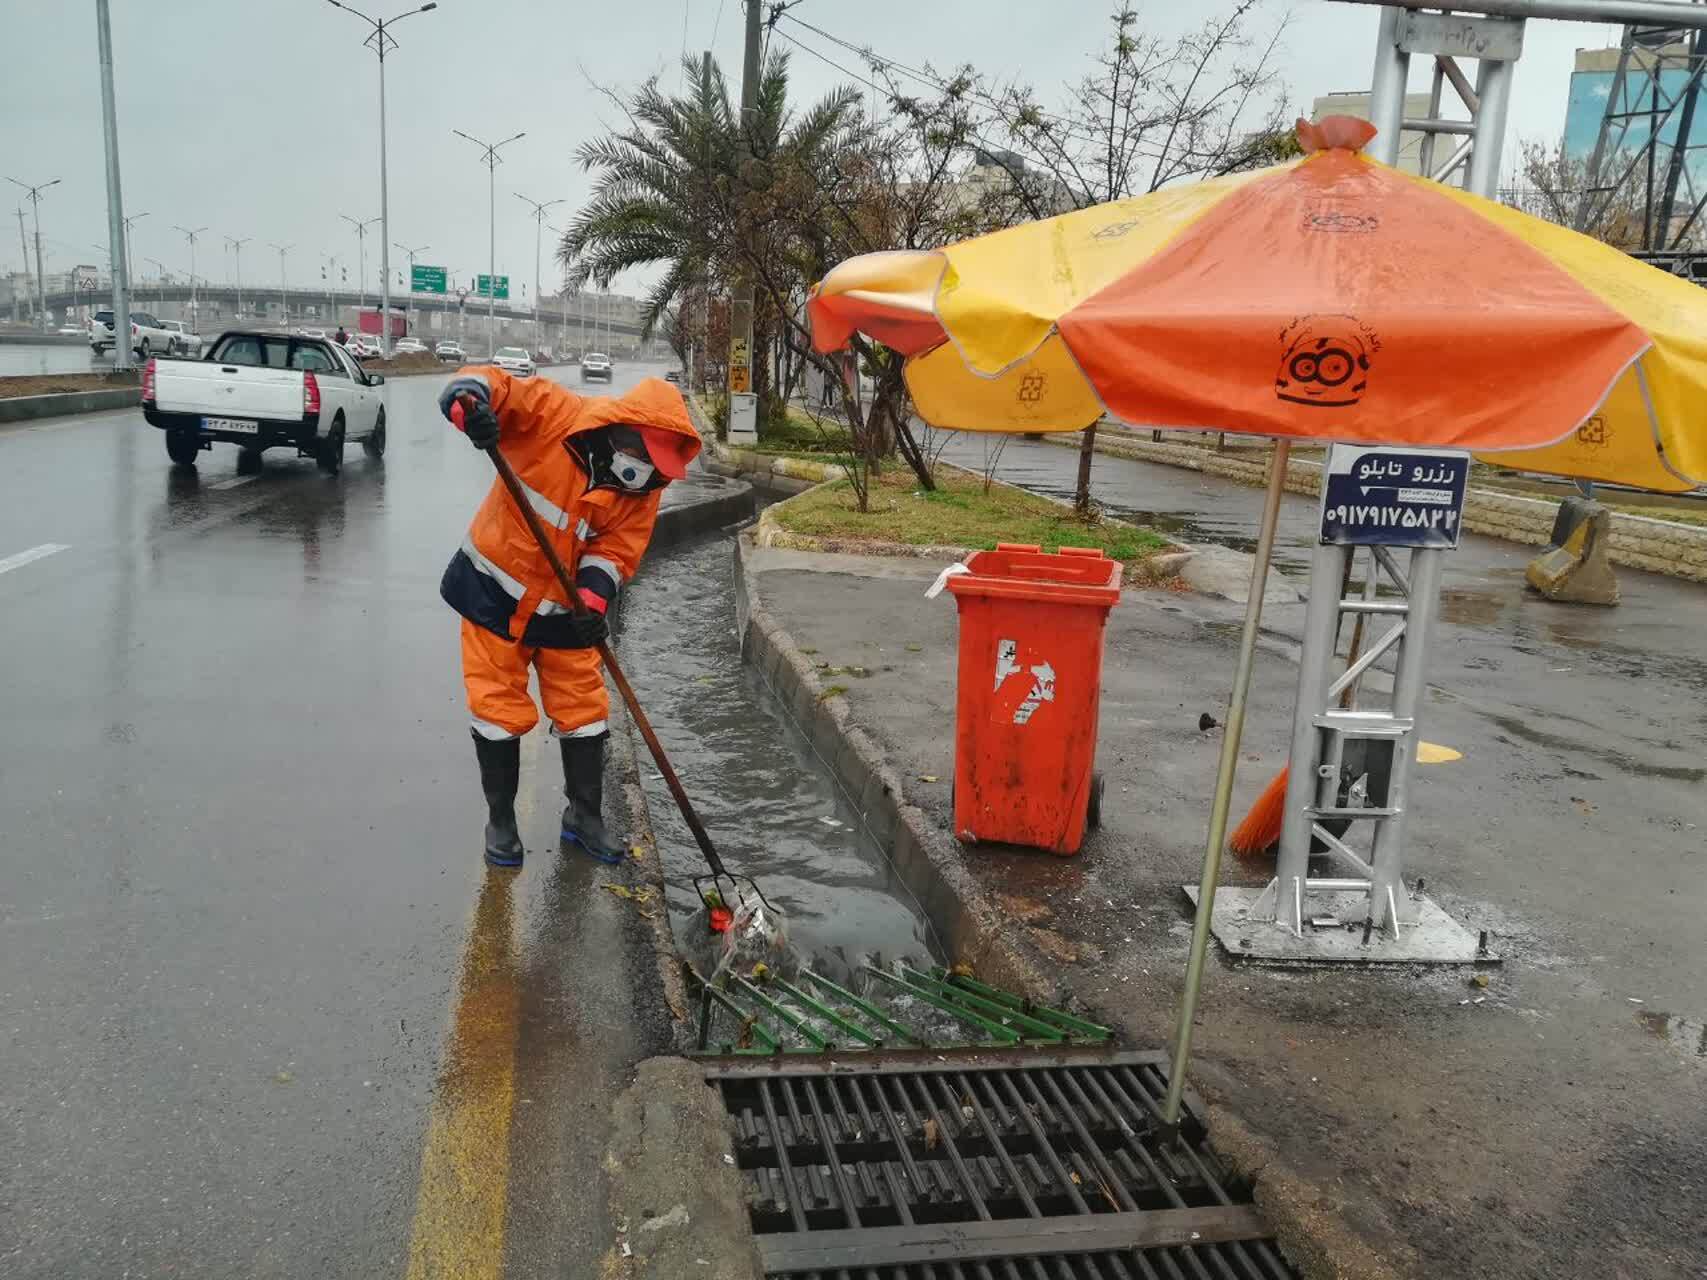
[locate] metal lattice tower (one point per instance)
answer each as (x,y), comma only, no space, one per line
(1648,137)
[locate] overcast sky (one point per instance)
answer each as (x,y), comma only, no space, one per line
(260,119)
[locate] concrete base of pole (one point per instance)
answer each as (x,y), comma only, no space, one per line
(1336,936)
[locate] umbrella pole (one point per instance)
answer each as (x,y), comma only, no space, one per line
(1224,785)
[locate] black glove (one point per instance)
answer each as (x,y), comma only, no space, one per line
(479,424)
(584,630)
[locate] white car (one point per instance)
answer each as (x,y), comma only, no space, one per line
(147,337)
(311,333)
(595,365)
(409,346)
(184,341)
(363,346)
(262,390)
(448,350)
(514,360)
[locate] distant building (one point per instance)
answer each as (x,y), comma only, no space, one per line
(1356,103)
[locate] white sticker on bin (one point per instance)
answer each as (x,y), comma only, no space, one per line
(953,571)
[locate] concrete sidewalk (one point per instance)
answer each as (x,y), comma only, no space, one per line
(1554,1126)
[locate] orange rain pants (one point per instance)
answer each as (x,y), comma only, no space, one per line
(495,672)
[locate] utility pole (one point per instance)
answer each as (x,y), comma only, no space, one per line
(490,160)
(237,255)
(119,256)
(743,406)
(24,244)
(409,307)
(380,41)
(361,256)
(41,282)
(538,226)
(284,299)
(195,302)
(330,274)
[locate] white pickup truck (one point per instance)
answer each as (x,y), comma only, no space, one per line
(266,390)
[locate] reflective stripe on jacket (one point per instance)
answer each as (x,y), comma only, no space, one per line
(498,579)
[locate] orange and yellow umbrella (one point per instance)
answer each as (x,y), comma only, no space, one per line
(1329,298)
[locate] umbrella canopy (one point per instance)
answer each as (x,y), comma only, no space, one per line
(1330,298)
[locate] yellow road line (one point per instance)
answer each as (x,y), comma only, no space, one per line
(465,1163)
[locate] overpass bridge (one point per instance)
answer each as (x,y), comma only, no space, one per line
(434,315)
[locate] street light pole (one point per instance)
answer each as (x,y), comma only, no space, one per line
(284,298)
(409,306)
(361,255)
(129,245)
(490,160)
(538,226)
(195,300)
(159,282)
(119,255)
(380,41)
(237,255)
(41,282)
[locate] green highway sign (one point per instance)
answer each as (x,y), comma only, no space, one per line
(483,287)
(426,279)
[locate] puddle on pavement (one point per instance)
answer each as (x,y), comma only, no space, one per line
(763,794)
(1583,744)
(1688,1036)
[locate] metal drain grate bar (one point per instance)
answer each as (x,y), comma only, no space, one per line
(1007,1163)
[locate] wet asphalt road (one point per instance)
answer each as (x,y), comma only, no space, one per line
(240,897)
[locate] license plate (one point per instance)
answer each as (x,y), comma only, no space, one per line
(247,426)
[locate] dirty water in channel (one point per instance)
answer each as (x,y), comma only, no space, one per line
(762,792)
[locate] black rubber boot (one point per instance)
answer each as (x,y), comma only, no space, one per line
(500,774)
(584,784)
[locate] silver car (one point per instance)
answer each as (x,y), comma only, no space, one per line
(595,365)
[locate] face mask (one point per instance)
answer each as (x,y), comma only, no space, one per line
(630,472)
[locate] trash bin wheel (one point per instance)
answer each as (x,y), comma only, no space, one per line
(1093,808)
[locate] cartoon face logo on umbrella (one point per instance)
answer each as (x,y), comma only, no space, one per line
(1325,361)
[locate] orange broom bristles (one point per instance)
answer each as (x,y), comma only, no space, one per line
(1261,827)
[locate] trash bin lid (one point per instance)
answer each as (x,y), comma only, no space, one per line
(1020,571)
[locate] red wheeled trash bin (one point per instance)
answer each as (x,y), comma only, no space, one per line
(1031,627)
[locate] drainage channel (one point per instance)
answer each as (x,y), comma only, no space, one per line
(893,1119)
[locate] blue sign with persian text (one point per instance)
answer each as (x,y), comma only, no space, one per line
(1393,497)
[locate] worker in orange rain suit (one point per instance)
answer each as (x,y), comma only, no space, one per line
(593,469)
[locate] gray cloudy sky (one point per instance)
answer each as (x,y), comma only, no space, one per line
(260,119)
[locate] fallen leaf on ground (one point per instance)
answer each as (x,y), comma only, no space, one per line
(932,1137)
(929,777)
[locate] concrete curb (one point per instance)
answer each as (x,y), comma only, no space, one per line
(1304,1212)
(1638,542)
(66,403)
(927,860)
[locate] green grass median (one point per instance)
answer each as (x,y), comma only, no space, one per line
(958,514)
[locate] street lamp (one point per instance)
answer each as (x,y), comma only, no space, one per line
(237,253)
(129,249)
(328,273)
(41,283)
(409,307)
(380,41)
(284,300)
(490,160)
(159,283)
(361,257)
(195,303)
(538,226)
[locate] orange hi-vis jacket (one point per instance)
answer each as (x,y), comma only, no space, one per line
(498,579)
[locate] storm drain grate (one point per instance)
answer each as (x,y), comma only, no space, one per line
(1023,1165)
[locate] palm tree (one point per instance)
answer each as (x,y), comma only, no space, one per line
(675,187)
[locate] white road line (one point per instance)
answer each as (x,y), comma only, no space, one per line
(234,482)
(34,553)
